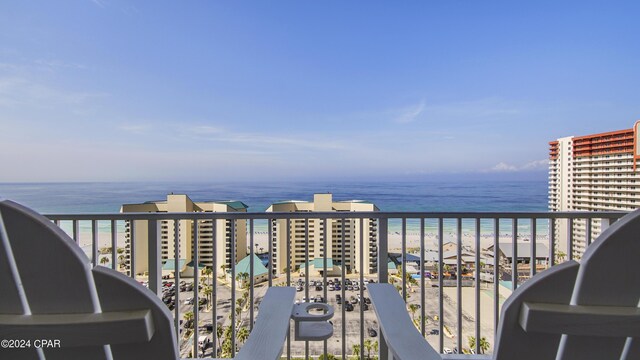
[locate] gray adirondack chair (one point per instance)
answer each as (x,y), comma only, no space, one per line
(49,290)
(586,310)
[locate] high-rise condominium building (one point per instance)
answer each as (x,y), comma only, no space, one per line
(593,173)
(316,235)
(206,249)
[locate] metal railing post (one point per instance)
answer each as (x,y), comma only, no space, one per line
(155,265)
(383,277)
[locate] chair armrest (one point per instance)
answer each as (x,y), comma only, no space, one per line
(583,320)
(402,338)
(73,330)
(272,326)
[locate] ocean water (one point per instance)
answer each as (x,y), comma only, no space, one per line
(508,196)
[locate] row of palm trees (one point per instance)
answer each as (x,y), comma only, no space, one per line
(369,346)
(106,259)
(224,333)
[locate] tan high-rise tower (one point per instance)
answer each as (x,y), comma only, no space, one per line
(316,233)
(206,250)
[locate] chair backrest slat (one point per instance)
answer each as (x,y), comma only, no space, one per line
(607,276)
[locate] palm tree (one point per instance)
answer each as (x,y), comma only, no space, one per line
(120,250)
(208,291)
(446,268)
(121,260)
(226,348)
(207,271)
(413,308)
(104,260)
(484,344)
(188,319)
(239,315)
(219,333)
(243,334)
(368,345)
(356,349)
(560,256)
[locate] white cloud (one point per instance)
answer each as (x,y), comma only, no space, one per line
(22,92)
(530,166)
(503,167)
(536,165)
(100,3)
(411,113)
(255,140)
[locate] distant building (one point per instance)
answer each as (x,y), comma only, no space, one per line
(206,251)
(243,271)
(523,253)
(334,242)
(592,173)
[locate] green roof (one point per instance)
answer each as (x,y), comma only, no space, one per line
(170,263)
(234,204)
(319,263)
(245,266)
(200,265)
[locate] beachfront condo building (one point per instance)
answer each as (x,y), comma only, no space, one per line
(593,173)
(186,234)
(305,248)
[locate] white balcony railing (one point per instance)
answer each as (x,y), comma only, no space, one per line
(455,305)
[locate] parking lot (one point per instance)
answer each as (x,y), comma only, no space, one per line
(351,319)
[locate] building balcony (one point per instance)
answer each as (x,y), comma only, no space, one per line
(442,234)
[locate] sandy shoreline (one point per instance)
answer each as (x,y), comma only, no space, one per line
(394,240)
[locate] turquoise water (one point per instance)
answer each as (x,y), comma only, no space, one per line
(508,196)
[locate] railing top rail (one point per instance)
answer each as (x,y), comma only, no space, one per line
(342,215)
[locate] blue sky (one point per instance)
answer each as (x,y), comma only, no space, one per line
(108,90)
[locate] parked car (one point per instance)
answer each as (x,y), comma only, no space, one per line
(189,301)
(318,299)
(348,307)
(367,301)
(331,288)
(434,332)
(372,332)
(338,299)
(365,307)
(299,288)
(318,287)
(353,300)
(203,341)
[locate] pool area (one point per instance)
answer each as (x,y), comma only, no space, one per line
(417,276)
(507,284)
